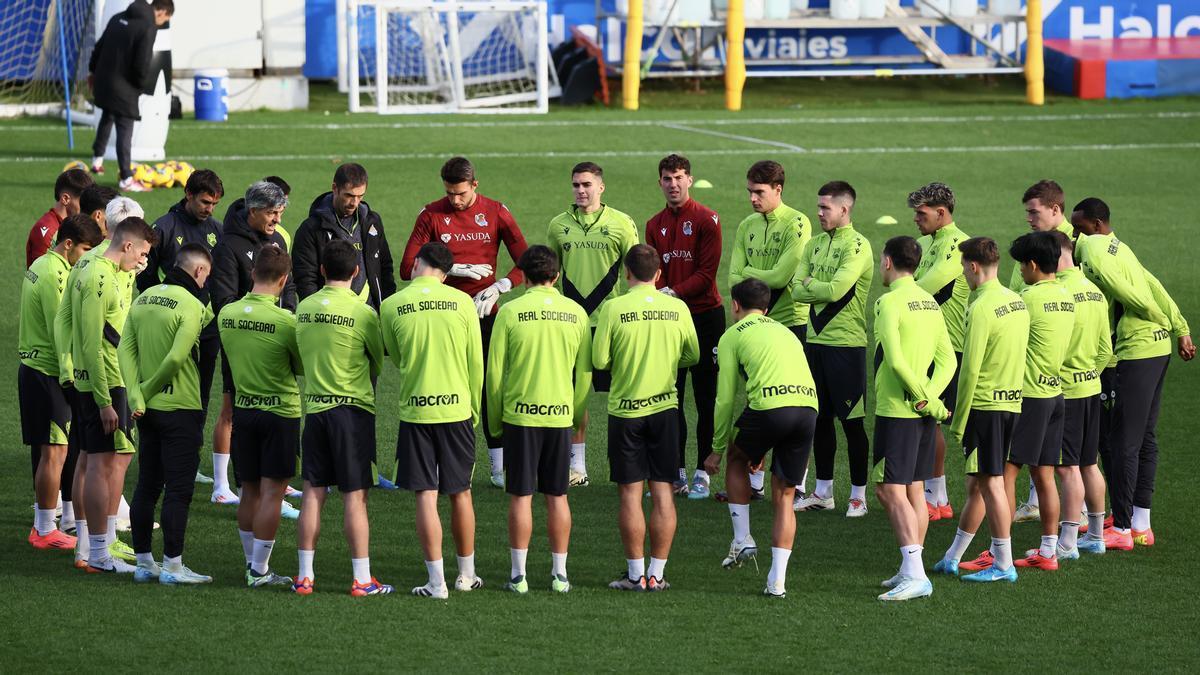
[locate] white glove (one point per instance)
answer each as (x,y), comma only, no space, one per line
(486,299)
(475,272)
(666,290)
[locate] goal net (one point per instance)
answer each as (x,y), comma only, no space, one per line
(44,45)
(407,56)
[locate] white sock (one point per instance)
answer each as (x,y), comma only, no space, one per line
(362,569)
(306,565)
(824,489)
(657,565)
(466,566)
(1141,519)
(68,514)
(220,473)
(247,545)
(437,574)
(1002,553)
(112,529)
(1095,524)
(756,480)
(517,555)
(740,515)
(558,564)
(931,495)
(701,474)
(496,457)
(1068,535)
(939,490)
(578,463)
(173,563)
(123,509)
(98,553)
(959,548)
(83,543)
(858,492)
(146,559)
(910,562)
(803,481)
(635,568)
(43,520)
(1049,544)
(779,560)
(1033,500)
(260,561)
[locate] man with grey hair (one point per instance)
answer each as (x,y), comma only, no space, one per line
(249,227)
(940,274)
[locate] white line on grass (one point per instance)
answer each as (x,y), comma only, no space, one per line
(735,137)
(718,121)
(574,154)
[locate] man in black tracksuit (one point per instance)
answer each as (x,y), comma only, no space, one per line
(342,214)
(118,73)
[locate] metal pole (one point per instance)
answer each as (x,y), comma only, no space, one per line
(66,77)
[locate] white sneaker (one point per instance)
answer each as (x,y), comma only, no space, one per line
(293,493)
(498,480)
(1026,513)
(288,511)
(464,584)
(181,575)
(894,581)
(814,503)
(740,552)
(147,572)
(124,525)
(225,497)
(112,565)
(202,479)
(435,592)
(774,591)
(131,185)
(856,509)
(577,479)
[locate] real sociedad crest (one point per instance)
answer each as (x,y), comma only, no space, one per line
(481,220)
(687,227)
(446,238)
(212,239)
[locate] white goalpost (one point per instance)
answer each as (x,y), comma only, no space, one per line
(424,56)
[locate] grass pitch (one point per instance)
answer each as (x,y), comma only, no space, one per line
(1117,612)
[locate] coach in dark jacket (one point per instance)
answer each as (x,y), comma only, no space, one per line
(119,72)
(342,214)
(190,221)
(249,226)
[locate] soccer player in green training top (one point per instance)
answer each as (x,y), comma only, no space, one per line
(97,201)
(987,407)
(161,335)
(432,333)
(780,416)
(1087,356)
(341,351)
(1147,319)
(1038,435)
(767,246)
(644,337)
(590,240)
(532,406)
(914,362)
(259,338)
(45,412)
(1043,203)
(834,278)
(941,275)
(100,299)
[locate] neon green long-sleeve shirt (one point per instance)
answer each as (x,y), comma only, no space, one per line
(841,266)
(767,247)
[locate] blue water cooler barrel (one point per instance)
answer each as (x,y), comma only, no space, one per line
(212,95)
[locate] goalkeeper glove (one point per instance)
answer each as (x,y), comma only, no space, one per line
(486,299)
(475,272)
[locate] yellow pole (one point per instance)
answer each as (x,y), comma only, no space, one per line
(735,58)
(631,73)
(1035,68)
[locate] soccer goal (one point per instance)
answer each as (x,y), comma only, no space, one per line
(412,56)
(43,48)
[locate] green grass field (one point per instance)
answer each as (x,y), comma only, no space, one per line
(1119,612)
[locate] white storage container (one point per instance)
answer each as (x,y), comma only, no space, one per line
(872,9)
(694,11)
(1004,7)
(843,10)
(754,10)
(800,6)
(943,5)
(964,7)
(777,9)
